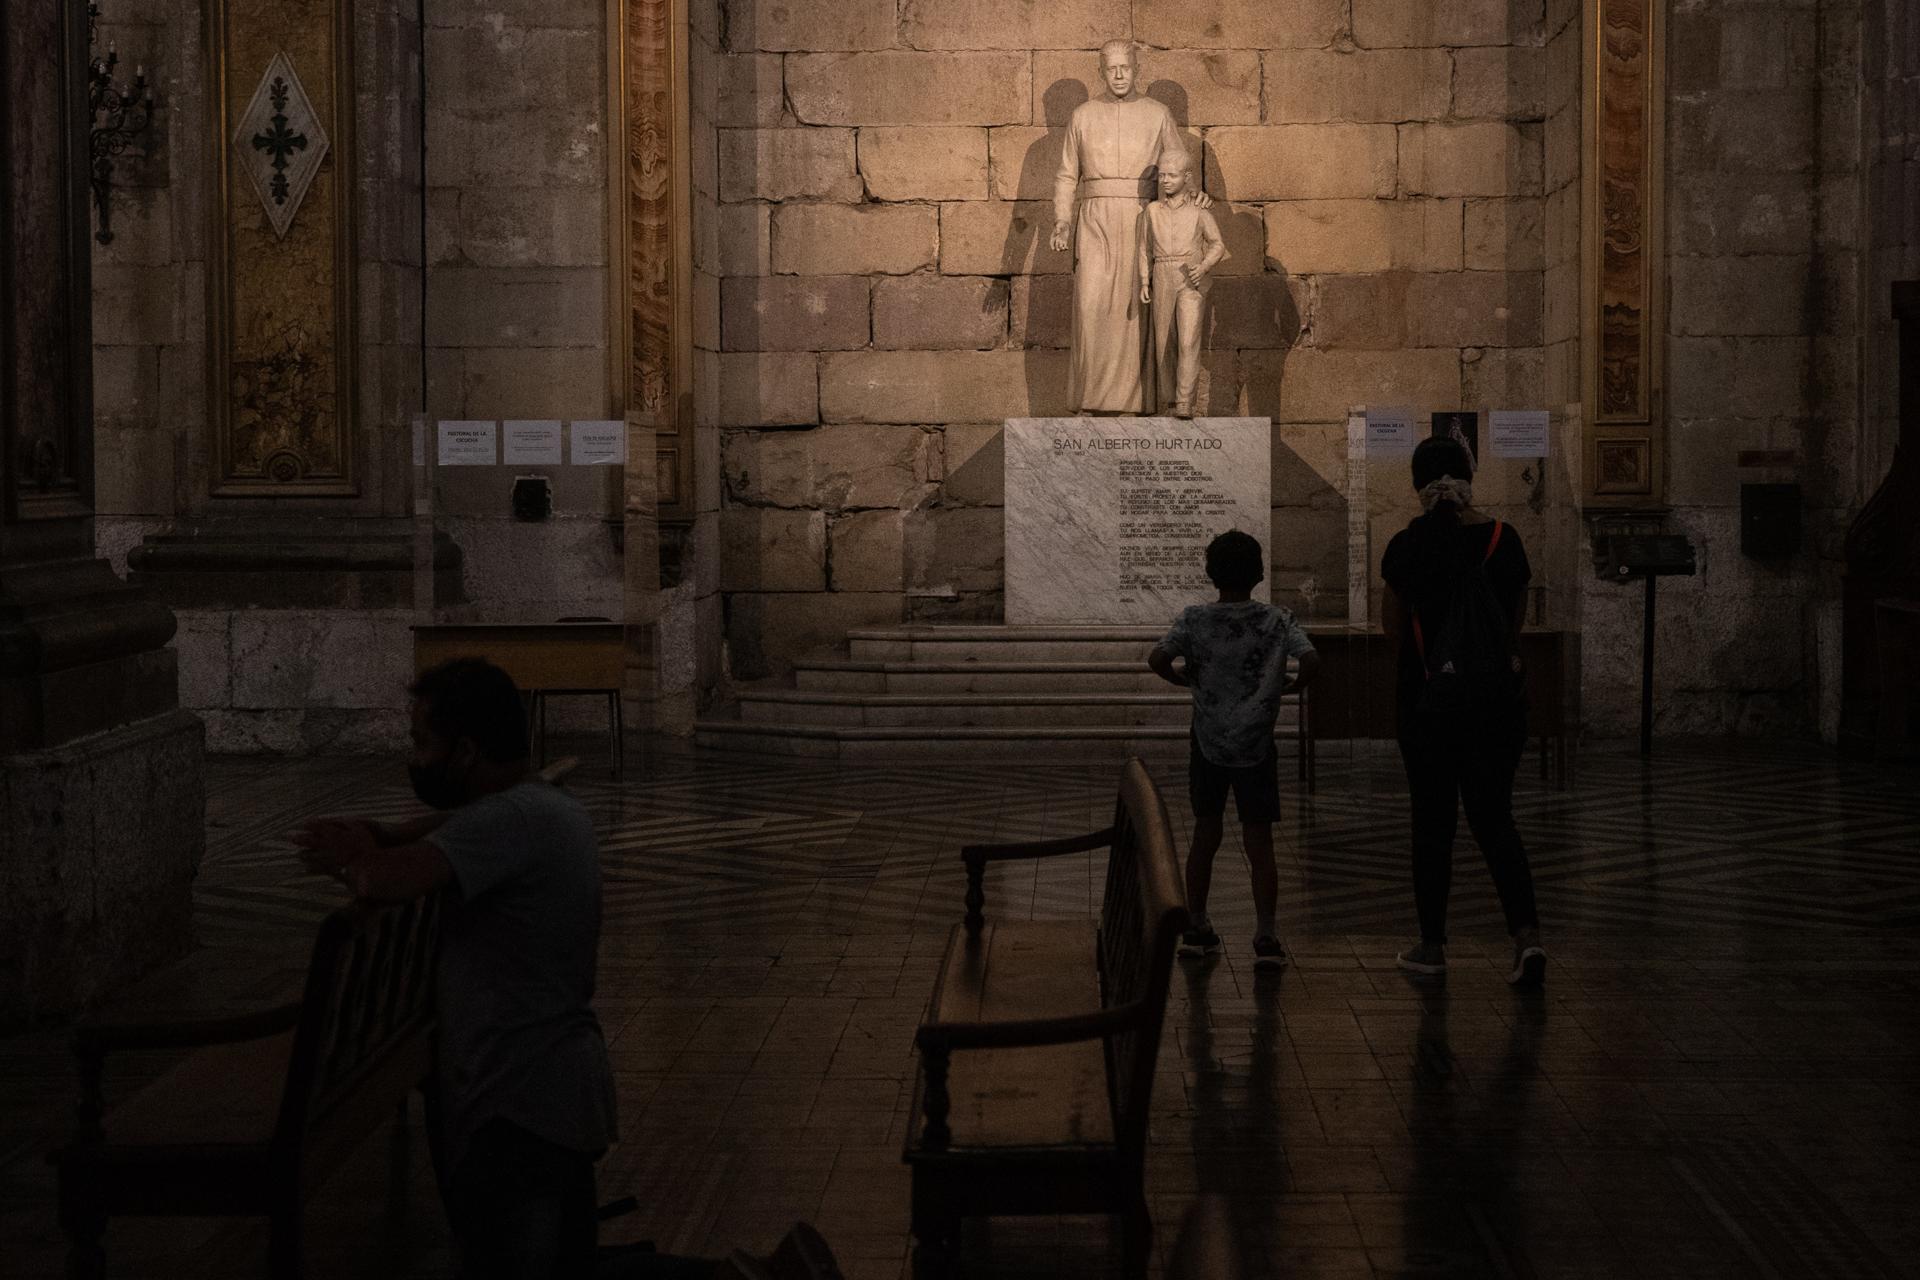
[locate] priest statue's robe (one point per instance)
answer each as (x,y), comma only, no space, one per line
(1108,163)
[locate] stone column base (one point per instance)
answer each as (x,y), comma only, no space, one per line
(100,839)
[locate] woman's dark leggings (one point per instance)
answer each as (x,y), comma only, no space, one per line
(1445,773)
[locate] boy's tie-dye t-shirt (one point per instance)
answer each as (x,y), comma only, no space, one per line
(1236,666)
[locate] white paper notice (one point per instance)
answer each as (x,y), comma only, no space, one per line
(1518,433)
(468,444)
(1389,430)
(599,443)
(530,443)
(419,440)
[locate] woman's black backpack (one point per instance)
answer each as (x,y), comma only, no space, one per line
(1471,668)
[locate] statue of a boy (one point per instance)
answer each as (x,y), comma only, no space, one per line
(1179,244)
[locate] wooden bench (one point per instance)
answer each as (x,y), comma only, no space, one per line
(270,1102)
(1037,1053)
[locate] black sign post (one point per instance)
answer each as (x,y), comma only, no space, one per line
(1649,556)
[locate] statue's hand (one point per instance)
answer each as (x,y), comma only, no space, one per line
(1146,293)
(1201,200)
(1194,276)
(1059,238)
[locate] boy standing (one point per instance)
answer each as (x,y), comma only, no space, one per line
(1179,244)
(1236,652)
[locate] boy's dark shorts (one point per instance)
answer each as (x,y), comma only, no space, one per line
(1256,788)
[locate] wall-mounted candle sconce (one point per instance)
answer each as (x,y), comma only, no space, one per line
(119,116)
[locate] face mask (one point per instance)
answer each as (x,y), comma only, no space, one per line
(435,786)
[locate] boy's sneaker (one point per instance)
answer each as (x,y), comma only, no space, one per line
(1199,941)
(1529,961)
(1424,958)
(1268,953)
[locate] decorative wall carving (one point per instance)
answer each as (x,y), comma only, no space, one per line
(1627,320)
(658,247)
(281,314)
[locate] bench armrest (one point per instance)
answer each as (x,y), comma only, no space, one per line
(93,1042)
(937,1041)
(977,856)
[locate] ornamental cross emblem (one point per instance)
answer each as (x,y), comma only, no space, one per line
(280,142)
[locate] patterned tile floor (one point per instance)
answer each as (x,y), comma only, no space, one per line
(1721,1079)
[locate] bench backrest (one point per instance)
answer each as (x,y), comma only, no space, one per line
(1142,913)
(366,1021)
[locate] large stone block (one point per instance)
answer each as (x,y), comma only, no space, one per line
(302,658)
(1043,311)
(749,92)
(746,239)
(942,386)
(1255,311)
(867,551)
(787,26)
(125,382)
(1307,237)
(1508,83)
(1739,377)
(1504,378)
(1200,86)
(788,164)
(1245,235)
(863,239)
(141,479)
(833,468)
(511,307)
(901,87)
(1745,295)
(1311,86)
(1310,385)
(999,238)
(767,631)
(1739,213)
(1022,163)
(931,312)
(534,146)
(1486,159)
(1238,24)
(794,313)
(503,382)
(951,550)
(1424,24)
(706,310)
(1301,161)
(1006,24)
(770,549)
(928,162)
(1361,312)
(769,389)
(1505,235)
(973,464)
(1475,309)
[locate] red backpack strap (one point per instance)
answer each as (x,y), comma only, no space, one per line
(1494,541)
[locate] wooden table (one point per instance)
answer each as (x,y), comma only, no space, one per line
(1353,696)
(545,659)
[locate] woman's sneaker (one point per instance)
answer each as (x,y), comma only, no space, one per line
(1424,958)
(1268,953)
(1199,941)
(1529,961)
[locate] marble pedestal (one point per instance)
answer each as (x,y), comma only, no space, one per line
(1108,519)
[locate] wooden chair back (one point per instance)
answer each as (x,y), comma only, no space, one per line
(1142,912)
(366,1018)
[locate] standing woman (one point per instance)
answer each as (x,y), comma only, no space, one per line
(1456,580)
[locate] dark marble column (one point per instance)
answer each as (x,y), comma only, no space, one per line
(101,776)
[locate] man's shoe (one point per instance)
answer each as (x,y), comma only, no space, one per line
(1529,961)
(1199,942)
(1268,953)
(1424,958)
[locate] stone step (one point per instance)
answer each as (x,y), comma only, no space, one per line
(844,675)
(984,710)
(1043,744)
(1002,644)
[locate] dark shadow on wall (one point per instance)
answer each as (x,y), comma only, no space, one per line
(1043,325)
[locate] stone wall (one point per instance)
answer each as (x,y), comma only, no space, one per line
(883,172)
(1762,223)
(1890,44)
